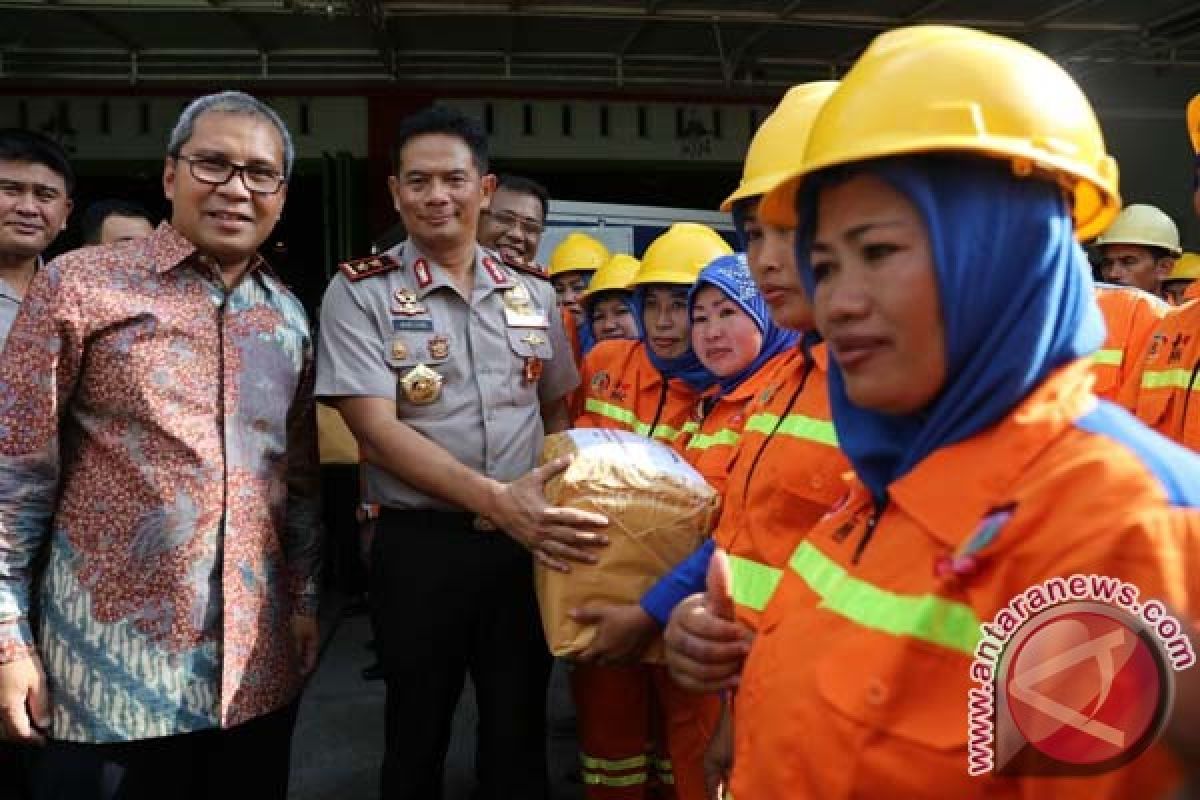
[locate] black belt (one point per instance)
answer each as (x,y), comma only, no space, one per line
(466,520)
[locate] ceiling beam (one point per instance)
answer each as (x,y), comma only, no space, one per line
(99,23)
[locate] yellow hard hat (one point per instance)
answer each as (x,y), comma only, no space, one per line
(578,252)
(1193,123)
(1144,225)
(678,255)
(777,150)
(616,274)
(1187,268)
(937,88)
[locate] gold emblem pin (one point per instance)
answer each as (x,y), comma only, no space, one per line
(399,350)
(518,301)
(405,303)
(439,348)
(533,339)
(421,385)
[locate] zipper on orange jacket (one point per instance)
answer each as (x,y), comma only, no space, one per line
(662,401)
(1187,396)
(808,365)
(872,523)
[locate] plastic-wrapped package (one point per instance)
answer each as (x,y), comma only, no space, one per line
(659,509)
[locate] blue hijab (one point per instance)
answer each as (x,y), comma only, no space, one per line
(588,329)
(1016,302)
(732,276)
(686,367)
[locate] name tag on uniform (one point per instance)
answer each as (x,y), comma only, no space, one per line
(419,325)
(518,319)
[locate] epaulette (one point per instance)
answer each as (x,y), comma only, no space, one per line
(535,270)
(361,268)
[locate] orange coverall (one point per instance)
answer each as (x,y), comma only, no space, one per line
(857,684)
(623,711)
(1130,315)
(1163,394)
(623,390)
(787,474)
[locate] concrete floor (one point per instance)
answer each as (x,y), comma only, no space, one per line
(339,735)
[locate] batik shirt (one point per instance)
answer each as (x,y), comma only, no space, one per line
(158,448)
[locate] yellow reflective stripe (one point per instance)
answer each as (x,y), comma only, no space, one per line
(612,765)
(753,583)
(667,778)
(628,419)
(1109,357)
(615,413)
(1167,379)
(796,425)
(926,617)
(665,432)
(615,781)
(703,441)
(663,764)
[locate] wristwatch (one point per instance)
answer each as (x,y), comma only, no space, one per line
(366,512)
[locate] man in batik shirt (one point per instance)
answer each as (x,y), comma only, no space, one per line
(157,438)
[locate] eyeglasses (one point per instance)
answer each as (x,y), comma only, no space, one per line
(509,220)
(218,172)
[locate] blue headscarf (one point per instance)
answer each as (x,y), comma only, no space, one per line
(588,328)
(1016,302)
(686,367)
(732,276)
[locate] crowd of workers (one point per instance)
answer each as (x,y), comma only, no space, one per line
(906,388)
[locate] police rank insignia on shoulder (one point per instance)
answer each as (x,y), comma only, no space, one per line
(361,268)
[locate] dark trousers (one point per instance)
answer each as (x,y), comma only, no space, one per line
(247,762)
(448,600)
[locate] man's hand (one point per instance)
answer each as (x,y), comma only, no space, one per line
(24,701)
(718,757)
(705,645)
(554,535)
(307,640)
(622,633)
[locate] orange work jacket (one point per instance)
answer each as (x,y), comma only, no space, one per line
(711,448)
(857,685)
(1165,396)
(1130,316)
(787,473)
(625,391)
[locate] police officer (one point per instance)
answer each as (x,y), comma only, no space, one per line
(447,365)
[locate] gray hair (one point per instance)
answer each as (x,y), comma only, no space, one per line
(229,102)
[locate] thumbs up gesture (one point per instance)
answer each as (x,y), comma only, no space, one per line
(705,644)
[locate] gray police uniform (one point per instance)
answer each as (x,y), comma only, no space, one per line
(499,356)
(470,374)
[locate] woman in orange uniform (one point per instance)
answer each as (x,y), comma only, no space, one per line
(961,391)
(626,713)
(651,386)
(734,337)
(787,471)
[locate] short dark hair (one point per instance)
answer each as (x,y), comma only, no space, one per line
(523,185)
(101,210)
(448,121)
(29,147)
